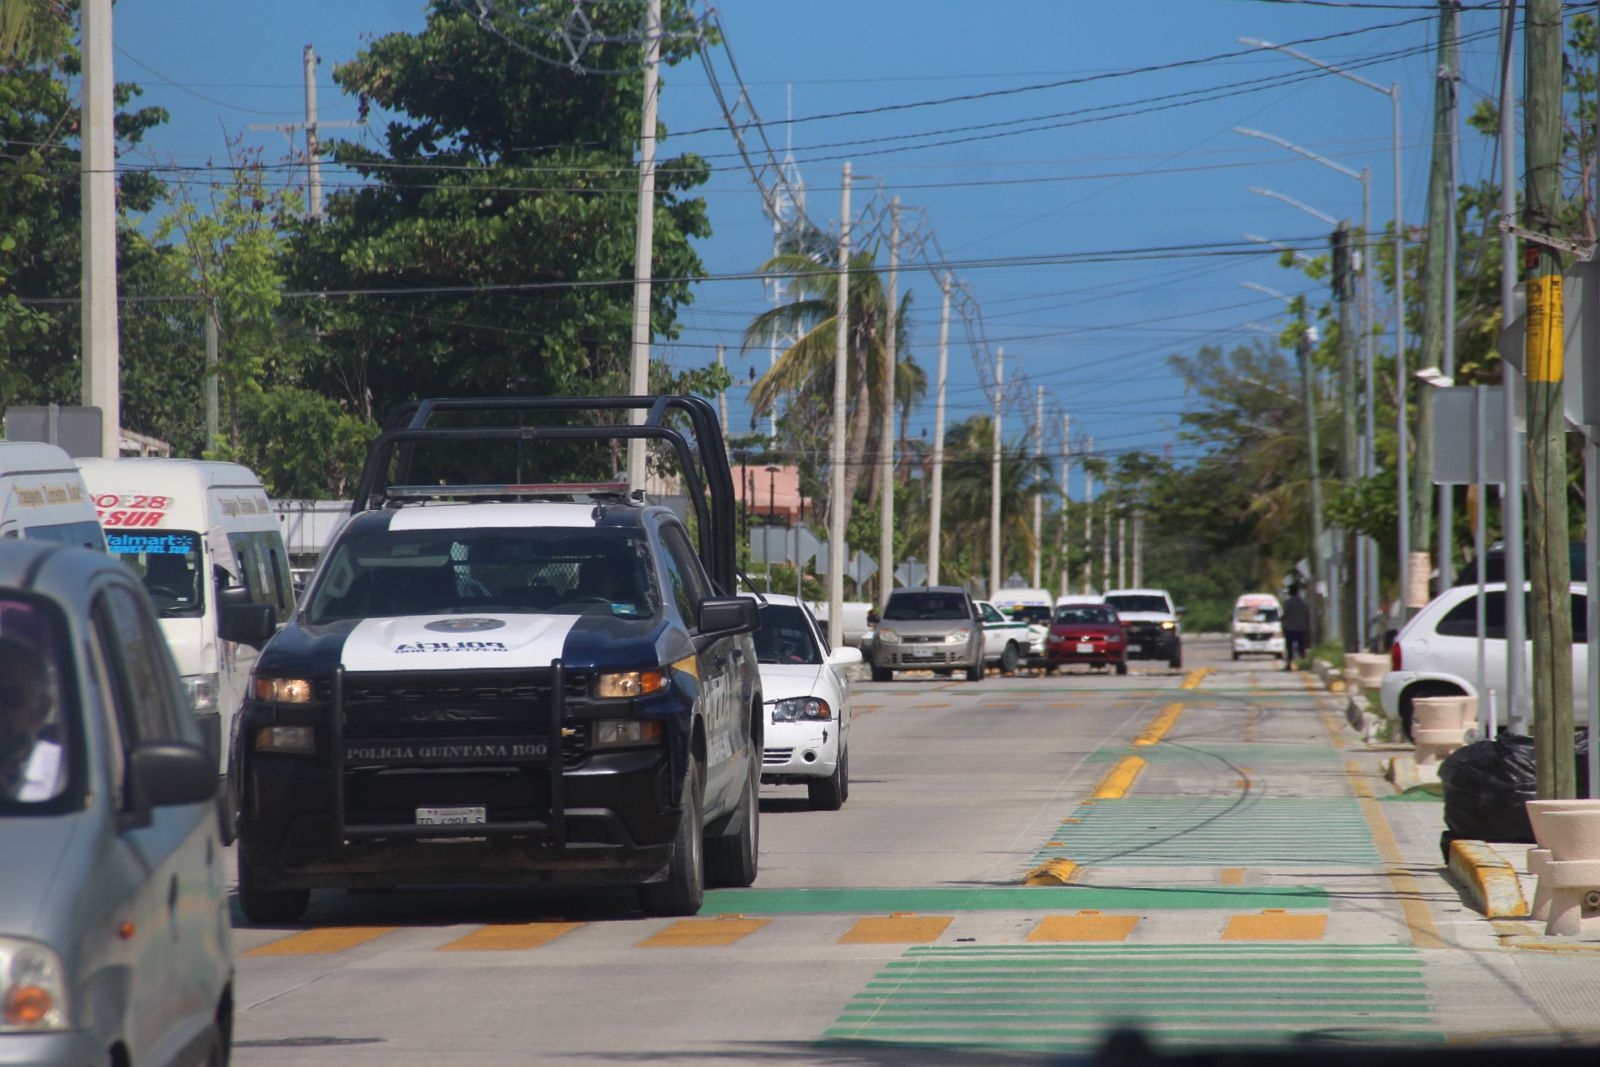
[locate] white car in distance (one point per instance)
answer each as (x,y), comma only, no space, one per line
(806,688)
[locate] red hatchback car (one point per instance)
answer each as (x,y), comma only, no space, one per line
(1087,633)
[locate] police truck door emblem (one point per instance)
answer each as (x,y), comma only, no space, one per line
(463,626)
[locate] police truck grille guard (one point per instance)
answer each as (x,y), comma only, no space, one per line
(445,719)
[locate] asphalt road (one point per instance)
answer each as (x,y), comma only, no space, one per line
(1221,864)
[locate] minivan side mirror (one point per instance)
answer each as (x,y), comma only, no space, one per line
(164,774)
(872,617)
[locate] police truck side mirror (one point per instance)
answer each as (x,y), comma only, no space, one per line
(725,616)
(243,621)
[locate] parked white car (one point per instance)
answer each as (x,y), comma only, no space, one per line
(806,689)
(1436,654)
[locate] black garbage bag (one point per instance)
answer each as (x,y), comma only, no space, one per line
(1486,785)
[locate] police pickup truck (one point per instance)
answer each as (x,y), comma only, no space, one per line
(510,682)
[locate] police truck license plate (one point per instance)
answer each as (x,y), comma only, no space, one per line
(452,816)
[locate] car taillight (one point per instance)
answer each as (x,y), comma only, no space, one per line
(1394,656)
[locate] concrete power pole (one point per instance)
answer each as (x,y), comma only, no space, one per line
(837,504)
(1038,498)
(1138,550)
(213,402)
(1549,570)
(722,398)
(994,475)
(1088,517)
(313,165)
(101,357)
(639,371)
(886,461)
(1511,528)
(1066,472)
(936,505)
(1343,292)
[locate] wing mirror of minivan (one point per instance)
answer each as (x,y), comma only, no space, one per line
(725,616)
(872,617)
(244,621)
(168,773)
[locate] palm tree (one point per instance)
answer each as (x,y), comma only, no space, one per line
(968,485)
(804,370)
(30,27)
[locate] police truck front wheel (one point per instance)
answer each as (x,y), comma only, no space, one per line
(269,907)
(684,889)
(731,860)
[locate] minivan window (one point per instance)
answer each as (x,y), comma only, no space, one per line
(906,607)
(40,739)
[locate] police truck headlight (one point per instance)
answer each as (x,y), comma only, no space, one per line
(625,733)
(301,740)
(626,684)
(33,990)
(801,709)
(284,690)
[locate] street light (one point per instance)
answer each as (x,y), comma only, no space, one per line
(1282,246)
(1402,458)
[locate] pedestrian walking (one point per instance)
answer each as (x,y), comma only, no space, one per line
(1296,627)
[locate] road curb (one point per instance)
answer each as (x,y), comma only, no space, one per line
(1491,884)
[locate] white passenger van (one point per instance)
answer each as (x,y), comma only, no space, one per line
(1258,625)
(43,496)
(206,543)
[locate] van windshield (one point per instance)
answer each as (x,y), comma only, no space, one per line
(1256,613)
(169,565)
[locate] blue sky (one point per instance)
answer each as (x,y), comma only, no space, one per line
(1014,171)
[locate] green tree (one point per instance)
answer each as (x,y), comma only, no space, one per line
(968,492)
(510,175)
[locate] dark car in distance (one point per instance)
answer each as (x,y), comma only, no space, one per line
(1086,634)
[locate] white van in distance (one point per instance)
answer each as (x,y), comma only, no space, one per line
(1258,625)
(43,497)
(204,540)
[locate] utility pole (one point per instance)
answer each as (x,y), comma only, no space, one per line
(313,165)
(213,403)
(1088,517)
(1434,277)
(1138,550)
(936,506)
(1066,472)
(994,475)
(1445,525)
(1511,528)
(101,356)
(886,461)
(1122,551)
(837,504)
(1319,568)
(1549,598)
(1038,498)
(722,398)
(639,371)
(1343,290)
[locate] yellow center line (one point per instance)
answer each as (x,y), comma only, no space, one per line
(1115,785)
(512,937)
(704,933)
(1193,679)
(900,928)
(1159,725)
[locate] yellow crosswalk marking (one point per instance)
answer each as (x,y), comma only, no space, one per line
(321,942)
(896,929)
(1274,924)
(1084,926)
(704,933)
(510,938)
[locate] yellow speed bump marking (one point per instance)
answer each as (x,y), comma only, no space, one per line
(1115,785)
(1193,679)
(1052,872)
(1084,926)
(511,937)
(1233,876)
(1160,725)
(897,928)
(704,933)
(1275,924)
(321,942)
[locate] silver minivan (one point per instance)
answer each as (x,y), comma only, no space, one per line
(114,927)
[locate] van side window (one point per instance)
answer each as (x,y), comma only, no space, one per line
(264,569)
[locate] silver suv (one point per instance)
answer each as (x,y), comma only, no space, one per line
(935,628)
